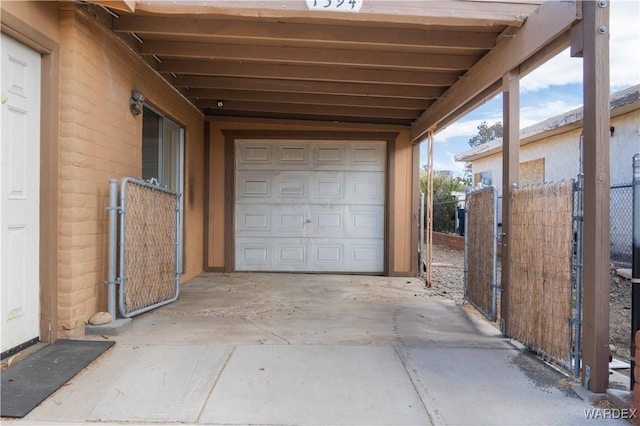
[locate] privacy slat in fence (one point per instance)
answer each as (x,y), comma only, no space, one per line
(149,247)
(540,287)
(480,234)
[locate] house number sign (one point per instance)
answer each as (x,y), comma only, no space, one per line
(335,5)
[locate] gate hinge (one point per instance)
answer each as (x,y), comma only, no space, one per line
(118,209)
(117,281)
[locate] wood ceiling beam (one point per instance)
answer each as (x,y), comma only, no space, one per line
(121,5)
(550,22)
(443,12)
(289,86)
(306,98)
(300,117)
(311,73)
(277,107)
(300,55)
(284,32)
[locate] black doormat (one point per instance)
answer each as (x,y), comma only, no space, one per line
(32,380)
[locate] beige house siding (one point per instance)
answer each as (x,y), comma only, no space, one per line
(101,139)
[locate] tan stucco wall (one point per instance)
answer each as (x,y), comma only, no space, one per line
(100,139)
(42,16)
(402,168)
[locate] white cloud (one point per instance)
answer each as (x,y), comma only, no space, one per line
(624,52)
(624,44)
(558,71)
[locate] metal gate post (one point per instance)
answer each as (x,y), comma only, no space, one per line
(577,266)
(465,279)
(494,285)
(635,259)
(422,235)
(113,248)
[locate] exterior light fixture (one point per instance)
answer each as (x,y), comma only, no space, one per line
(135,102)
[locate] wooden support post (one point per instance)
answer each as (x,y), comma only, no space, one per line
(510,176)
(595,328)
(429,206)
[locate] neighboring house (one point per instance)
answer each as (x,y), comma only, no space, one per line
(294,150)
(550,152)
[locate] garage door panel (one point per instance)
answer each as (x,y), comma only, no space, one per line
(250,220)
(328,187)
(253,254)
(366,255)
(291,187)
(254,155)
(292,253)
(327,221)
(365,221)
(346,255)
(330,156)
(367,157)
(327,255)
(365,188)
(291,156)
(316,206)
(254,187)
(291,220)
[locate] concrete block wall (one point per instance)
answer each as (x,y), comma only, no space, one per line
(101,139)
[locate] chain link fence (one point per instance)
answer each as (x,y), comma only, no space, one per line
(621,223)
(448,216)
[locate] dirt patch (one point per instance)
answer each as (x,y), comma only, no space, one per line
(448,282)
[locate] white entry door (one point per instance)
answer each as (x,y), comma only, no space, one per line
(19,194)
(310,206)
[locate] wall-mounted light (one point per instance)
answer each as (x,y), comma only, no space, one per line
(220,104)
(136,102)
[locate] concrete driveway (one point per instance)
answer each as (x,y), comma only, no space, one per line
(313,349)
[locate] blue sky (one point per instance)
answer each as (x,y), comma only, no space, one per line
(552,89)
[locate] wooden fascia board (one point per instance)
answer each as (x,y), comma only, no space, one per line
(128,6)
(444,12)
(551,21)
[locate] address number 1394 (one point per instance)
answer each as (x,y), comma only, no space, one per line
(335,5)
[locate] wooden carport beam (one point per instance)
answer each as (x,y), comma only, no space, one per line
(443,12)
(592,42)
(217,29)
(122,5)
(542,27)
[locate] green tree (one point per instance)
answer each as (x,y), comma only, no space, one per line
(444,204)
(486,133)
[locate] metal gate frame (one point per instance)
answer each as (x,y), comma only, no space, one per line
(495,287)
(117,272)
(575,322)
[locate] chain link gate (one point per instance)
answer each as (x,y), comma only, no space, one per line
(148,246)
(541,264)
(481,251)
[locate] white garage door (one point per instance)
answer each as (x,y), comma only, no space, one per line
(310,206)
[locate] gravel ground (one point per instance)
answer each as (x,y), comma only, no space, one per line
(448,282)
